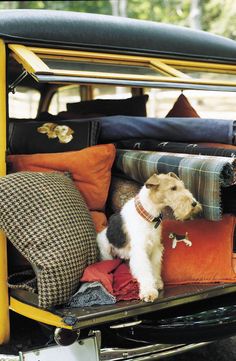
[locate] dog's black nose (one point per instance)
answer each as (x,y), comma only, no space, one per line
(194,204)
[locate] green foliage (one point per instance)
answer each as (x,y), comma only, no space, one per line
(100,6)
(224,21)
(169,11)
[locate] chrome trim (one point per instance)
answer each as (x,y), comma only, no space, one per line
(127,324)
(151,353)
(41,78)
(9,358)
(98,337)
(64,340)
(148,353)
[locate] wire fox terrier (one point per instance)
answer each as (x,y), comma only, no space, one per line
(135,232)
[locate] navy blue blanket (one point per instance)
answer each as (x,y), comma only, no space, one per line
(115,128)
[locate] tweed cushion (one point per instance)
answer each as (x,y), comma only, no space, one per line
(47,220)
(121,190)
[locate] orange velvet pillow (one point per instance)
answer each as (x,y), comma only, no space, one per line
(209,259)
(89,167)
(182,108)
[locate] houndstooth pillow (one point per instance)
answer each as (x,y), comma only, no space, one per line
(47,220)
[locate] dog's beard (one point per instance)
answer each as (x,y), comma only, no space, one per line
(180,214)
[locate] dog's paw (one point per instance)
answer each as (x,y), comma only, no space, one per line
(148,295)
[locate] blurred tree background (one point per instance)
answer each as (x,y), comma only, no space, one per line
(217,16)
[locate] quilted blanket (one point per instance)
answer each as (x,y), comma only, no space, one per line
(202,175)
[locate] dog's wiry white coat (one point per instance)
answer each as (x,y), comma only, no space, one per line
(144,248)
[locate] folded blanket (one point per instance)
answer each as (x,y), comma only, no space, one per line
(101,272)
(115,276)
(202,175)
(125,287)
(175,147)
(194,130)
(91,294)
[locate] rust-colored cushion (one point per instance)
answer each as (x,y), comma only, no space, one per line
(90,169)
(99,220)
(182,108)
(209,259)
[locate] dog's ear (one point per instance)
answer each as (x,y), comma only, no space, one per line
(153,181)
(173,175)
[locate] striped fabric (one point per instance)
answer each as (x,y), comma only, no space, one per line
(202,175)
(142,211)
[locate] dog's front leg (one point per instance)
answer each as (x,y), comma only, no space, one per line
(156,260)
(141,269)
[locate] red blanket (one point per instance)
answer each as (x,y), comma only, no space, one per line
(115,276)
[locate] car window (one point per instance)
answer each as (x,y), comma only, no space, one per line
(208,104)
(24,103)
(64,95)
(111,92)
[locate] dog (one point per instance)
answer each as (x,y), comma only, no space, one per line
(53,130)
(134,234)
(176,238)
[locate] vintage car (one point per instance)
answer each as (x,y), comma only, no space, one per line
(89,73)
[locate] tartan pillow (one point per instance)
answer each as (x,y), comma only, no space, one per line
(45,217)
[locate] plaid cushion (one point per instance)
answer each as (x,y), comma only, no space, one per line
(202,175)
(46,219)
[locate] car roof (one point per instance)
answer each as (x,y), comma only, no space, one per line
(74,30)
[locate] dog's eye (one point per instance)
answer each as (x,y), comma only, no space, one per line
(174,188)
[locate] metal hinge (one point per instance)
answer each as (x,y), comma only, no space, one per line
(13,85)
